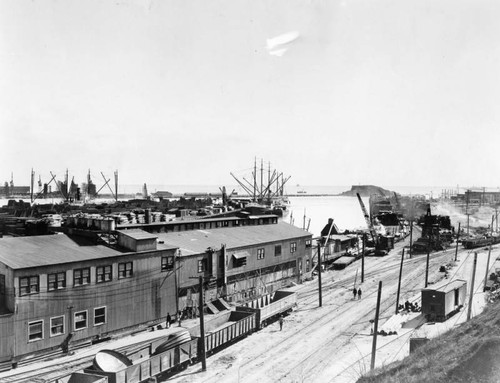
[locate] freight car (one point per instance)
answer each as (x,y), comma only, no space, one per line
(441,303)
(270,306)
(473,243)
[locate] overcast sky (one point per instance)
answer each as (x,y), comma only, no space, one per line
(384,92)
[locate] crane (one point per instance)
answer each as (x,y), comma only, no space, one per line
(373,233)
(368,220)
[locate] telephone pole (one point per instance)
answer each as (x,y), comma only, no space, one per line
(375,330)
(319,274)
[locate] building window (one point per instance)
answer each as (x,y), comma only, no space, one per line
(57,281)
(239,260)
(307,265)
(35,331)
(125,270)
(277,250)
(167,263)
(57,326)
(202,265)
(81,277)
(293,247)
(260,253)
(80,320)
(308,243)
(99,316)
(103,274)
(29,285)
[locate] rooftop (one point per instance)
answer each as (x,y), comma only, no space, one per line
(197,241)
(450,286)
(46,250)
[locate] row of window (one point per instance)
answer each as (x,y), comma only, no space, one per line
(261,253)
(58,324)
(57,281)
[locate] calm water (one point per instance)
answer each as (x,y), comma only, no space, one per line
(345,211)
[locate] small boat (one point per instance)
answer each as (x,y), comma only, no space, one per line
(110,361)
(175,339)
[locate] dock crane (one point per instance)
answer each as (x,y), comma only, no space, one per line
(373,233)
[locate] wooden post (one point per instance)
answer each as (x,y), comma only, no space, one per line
(458,236)
(202,326)
(399,283)
(487,268)
(427,263)
(319,275)
(363,260)
(411,236)
(375,330)
(471,294)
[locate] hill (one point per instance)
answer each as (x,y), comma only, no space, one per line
(366,191)
(470,353)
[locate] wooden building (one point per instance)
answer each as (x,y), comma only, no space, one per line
(88,283)
(441,303)
(61,289)
(239,263)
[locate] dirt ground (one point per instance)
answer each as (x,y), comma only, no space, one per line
(333,343)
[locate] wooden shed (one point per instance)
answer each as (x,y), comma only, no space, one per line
(441,303)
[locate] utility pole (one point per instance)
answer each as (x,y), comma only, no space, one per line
(487,268)
(202,325)
(399,283)
(467,210)
(363,259)
(32,184)
(471,294)
(116,185)
(458,236)
(411,236)
(489,254)
(319,274)
(427,263)
(375,330)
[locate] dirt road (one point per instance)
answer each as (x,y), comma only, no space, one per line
(332,342)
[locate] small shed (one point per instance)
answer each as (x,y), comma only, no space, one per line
(441,303)
(137,240)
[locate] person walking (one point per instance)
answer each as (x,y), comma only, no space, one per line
(281,322)
(354,292)
(359,294)
(169,320)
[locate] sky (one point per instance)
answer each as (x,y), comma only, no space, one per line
(383,92)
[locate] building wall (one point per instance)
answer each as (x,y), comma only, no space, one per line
(145,297)
(257,277)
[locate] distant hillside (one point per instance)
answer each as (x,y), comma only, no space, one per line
(468,353)
(366,191)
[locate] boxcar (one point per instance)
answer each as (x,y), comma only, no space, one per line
(268,307)
(441,303)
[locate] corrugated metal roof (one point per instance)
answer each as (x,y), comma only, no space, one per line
(197,241)
(45,250)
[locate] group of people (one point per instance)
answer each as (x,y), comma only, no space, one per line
(357,292)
